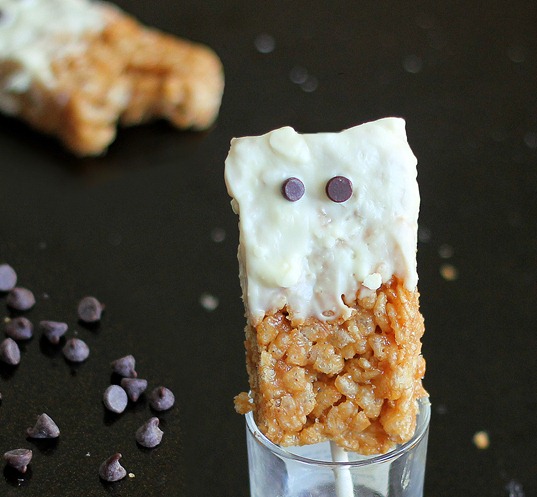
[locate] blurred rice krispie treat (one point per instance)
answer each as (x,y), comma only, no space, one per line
(327,253)
(77,68)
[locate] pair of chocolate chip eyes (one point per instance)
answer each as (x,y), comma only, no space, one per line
(338,189)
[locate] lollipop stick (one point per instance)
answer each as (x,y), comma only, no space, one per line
(344,486)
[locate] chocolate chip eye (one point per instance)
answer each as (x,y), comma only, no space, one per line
(293,189)
(339,189)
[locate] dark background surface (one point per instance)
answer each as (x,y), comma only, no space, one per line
(136,228)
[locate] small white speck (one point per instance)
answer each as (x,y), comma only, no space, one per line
(132,475)
(7,319)
(445,251)
(218,235)
(530,139)
(441,409)
(515,489)
(412,64)
(208,302)
(88,454)
(373,281)
(265,43)
(46,296)
(298,75)
(516,54)
(310,84)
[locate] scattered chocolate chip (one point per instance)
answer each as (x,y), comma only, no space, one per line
(293,189)
(111,469)
(44,427)
(53,330)
(149,434)
(90,310)
(161,399)
(115,399)
(134,387)
(19,328)
(18,459)
(20,299)
(124,366)
(10,352)
(8,278)
(339,189)
(75,350)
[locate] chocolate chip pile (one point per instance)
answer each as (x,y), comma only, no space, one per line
(115,398)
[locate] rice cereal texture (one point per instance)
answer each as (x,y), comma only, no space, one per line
(355,381)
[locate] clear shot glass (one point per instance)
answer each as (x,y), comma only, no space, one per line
(322,470)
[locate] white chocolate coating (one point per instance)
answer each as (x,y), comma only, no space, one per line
(35,32)
(313,254)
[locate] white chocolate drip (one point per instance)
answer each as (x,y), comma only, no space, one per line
(313,254)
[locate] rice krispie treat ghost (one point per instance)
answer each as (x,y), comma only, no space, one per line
(327,257)
(76,68)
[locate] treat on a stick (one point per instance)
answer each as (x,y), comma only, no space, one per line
(327,257)
(76,68)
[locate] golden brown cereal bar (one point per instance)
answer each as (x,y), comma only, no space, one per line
(327,265)
(353,381)
(125,73)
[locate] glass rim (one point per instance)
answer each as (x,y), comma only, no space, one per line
(423,419)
